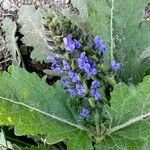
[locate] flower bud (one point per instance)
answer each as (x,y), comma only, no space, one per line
(92,102)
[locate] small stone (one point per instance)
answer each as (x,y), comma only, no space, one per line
(6,5)
(67,1)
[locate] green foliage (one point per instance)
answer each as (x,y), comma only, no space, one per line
(34,107)
(131,118)
(78,13)
(122,25)
(37,108)
(32,28)
(3,142)
(39,147)
(131,37)
(10,28)
(99,19)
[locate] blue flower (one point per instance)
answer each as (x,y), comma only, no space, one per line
(103,48)
(77,43)
(66,65)
(95,84)
(74,76)
(80,89)
(100,44)
(81,63)
(87,65)
(94,71)
(64,79)
(115,66)
(72,92)
(87,68)
(51,59)
(69,44)
(95,94)
(84,112)
(56,68)
(82,60)
(66,88)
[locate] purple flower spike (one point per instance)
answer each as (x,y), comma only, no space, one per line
(80,89)
(66,65)
(74,76)
(115,66)
(84,112)
(69,44)
(95,84)
(95,94)
(77,43)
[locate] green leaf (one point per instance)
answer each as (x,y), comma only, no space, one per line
(99,19)
(118,143)
(34,107)
(39,147)
(131,117)
(33,30)
(122,26)
(10,28)
(3,142)
(93,16)
(78,13)
(131,38)
(118,23)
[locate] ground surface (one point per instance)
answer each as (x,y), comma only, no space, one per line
(9,8)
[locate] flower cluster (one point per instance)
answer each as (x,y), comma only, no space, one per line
(82,79)
(87,65)
(94,90)
(70,44)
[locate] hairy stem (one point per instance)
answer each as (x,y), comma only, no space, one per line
(111,31)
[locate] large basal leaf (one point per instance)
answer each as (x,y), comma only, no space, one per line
(33,30)
(131,118)
(10,28)
(39,147)
(34,107)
